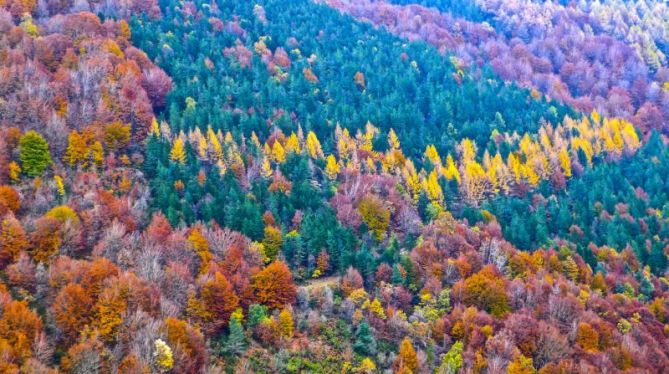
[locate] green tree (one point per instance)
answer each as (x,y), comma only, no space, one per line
(452,360)
(34,153)
(365,344)
(235,343)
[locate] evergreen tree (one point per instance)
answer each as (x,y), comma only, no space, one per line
(365,343)
(34,153)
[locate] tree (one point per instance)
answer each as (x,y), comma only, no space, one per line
(10,201)
(521,365)
(45,239)
(76,151)
(365,343)
(331,167)
(117,135)
(286,324)
(452,360)
(272,242)
(201,247)
(314,146)
(351,281)
(375,215)
(72,311)
(34,153)
(13,240)
(178,153)
(273,286)
(587,337)
(486,290)
(236,341)
(188,345)
(407,359)
(219,302)
(163,356)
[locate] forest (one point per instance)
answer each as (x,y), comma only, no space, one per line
(334,186)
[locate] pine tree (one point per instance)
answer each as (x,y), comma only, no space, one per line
(364,344)
(34,153)
(236,340)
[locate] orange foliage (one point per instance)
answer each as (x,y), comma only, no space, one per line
(587,337)
(407,360)
(485,290)
(273,286)
(45,239)
(218,301)
(19,327)
(187,344)
(12,240)
(72,310)
(9,200)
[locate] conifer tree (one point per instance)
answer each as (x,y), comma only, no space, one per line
(34,153)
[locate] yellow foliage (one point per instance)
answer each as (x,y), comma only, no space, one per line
(155,128)
(14,172)
(432,188)
(60,187)
(63,213)
(331,167)
(278,153)
(292,144)
(178,153)
(393,141)
(286,326)
(163,356)
(376,308)
(358,296)
(565,162)
(432,154)
(314,146)
(366,366)
(451,171)
(266,167)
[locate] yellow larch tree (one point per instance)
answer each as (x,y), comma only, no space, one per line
(277,153)
(214,145)
(432,188)
(314,146)
(565,162)
(331,167)
(451,171)
(292,144)
(178,152)
(432,155)
(393,140)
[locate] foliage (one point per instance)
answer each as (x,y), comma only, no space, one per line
(34,153)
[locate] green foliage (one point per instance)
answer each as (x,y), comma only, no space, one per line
(34,153)
(257,313)
(365,343)
(235,343)
(451,362)
(612,204)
